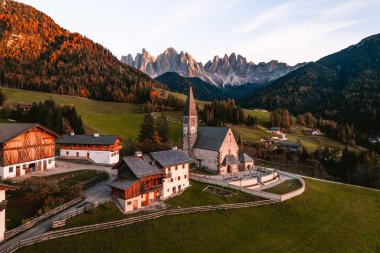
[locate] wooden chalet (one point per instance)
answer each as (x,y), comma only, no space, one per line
(143,179)
(25,148)
(99,149)
(139,182)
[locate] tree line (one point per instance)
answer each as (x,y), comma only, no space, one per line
(60,119)
(221,112)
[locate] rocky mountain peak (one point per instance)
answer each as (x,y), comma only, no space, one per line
(232,70)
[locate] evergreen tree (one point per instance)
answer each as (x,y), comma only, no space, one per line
(147,127)
(162,127)
(2,98)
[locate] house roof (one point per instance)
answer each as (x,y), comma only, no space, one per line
(140,167)
(230,160)
(211,138)
(170,157)
(88,139)
(7,187)
(9,131)
(121,183)
(289,144)
(244,158)
(190,108)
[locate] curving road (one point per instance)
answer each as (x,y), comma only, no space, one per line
(95,193)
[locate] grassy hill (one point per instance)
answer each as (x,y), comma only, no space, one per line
(326,218)
(125,118)
(98,116)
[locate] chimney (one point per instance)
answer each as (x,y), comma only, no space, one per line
(138,154)
(96,135)
(72,133)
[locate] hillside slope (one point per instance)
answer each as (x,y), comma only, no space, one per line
(37,54)
(344,86)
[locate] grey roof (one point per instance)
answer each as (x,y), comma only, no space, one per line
(121,183)
(287,143)
(171,157)
(88,139)
(9,131)
(140,167)
(244,158)
(230,160)
(211,138)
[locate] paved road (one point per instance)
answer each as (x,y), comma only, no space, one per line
(97,192)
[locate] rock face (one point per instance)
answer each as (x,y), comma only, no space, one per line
(231,70)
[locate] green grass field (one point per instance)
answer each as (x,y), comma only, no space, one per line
(326,218)
(284,187)
(98,116)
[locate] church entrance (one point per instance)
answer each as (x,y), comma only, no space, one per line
(229,169)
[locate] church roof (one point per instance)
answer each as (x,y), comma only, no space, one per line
(211,138)
(230,160)
(244,158)
(190,108)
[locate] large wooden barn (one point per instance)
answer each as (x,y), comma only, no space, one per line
(25,148)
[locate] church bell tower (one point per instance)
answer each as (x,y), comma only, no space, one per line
(189,124)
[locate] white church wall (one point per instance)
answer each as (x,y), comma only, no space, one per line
(209,158)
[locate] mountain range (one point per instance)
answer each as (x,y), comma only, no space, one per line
(344,86)
(229,70)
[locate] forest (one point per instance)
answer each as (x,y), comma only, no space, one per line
(37,54)
(61,119)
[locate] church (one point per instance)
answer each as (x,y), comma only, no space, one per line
(215,148)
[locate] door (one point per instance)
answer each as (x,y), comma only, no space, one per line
(45,166)
(18,171)
(135,204)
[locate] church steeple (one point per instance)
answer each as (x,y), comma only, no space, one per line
(190,109)
(189,123)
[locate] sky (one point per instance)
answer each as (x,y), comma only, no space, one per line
(290,31)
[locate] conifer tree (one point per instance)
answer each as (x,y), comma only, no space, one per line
(162,127)
(147,127)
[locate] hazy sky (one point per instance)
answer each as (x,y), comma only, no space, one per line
(288,31)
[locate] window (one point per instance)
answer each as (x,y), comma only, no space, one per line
(169,169)
(24,167)
(176,167)
(179,178)
(10,169)
(142,196)
(185,176)
(168,190)
(77,154)
(129,203)
(171,180)
(67,152)
(49,161)
(183,166)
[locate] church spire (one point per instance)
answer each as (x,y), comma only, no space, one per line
(190,109)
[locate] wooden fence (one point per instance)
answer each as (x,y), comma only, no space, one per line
(10,233)
(113,224)
(62,220)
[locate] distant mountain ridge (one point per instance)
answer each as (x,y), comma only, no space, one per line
(344,86)
(229,70)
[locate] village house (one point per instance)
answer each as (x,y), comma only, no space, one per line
(25,148)
(290,146)
(98,149)
(146,178)
(3,205)
(215,148)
